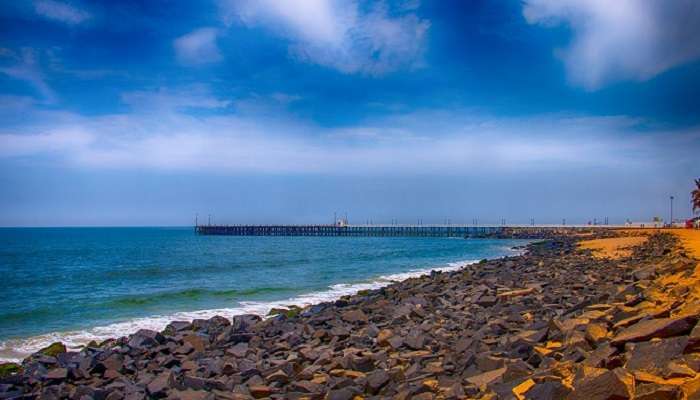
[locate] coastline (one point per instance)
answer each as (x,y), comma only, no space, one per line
(77,339)
(122,285)
(500,328)
(16,349)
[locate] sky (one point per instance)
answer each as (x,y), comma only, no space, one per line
(277,111)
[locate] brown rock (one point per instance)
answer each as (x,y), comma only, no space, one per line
(547,390)
(278,376)
(655,328)
(354,316)
(487,301)
(607,385)
(306,386)
(653,357)
(691,389)
(694,340)
(596,333)
(653,391)
(377,379)
(515,293)
(195,341)
(260,391)
(487,377)
(57,373)
(158,387)
(383,337)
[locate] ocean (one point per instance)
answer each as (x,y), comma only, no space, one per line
(80,284)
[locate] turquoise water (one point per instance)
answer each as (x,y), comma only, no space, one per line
(78,284)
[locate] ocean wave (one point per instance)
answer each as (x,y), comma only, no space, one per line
(190,294)
(17,349)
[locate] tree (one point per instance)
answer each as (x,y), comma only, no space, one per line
(696,195)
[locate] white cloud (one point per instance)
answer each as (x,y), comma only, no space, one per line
(60,12)
(450,142)
(198,47)
(27,69)
(167,100)
(621,39)
(339,34)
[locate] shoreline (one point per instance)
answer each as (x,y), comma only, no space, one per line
(554,320)
(16,349)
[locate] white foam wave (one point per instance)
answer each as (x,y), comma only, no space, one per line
(17,349)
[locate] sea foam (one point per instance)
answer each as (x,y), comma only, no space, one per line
(17,349)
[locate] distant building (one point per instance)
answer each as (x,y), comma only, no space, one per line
(341,222)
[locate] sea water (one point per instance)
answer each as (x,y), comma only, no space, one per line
(80,284)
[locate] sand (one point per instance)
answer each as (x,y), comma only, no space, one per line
(621,247)
(690,239)
(613,247)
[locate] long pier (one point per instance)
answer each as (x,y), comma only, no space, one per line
(348,230)
(380,230)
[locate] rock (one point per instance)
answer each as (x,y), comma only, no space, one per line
(486,378)
(53,350)
(655,328)
(691,389)
(604,385)
(57,373)
(191,395)
(520,390)
(415,341)
(376,380)
(145,338)
(596,332)
(8,369)
(653,357)
(239,350)
(515,293)
(547,390)
(177,326)
(159,386)
(277,376)
(653,391)
(353,316)
(306,386)
(487,301)
(694,340)
(260,391)
(195,341)
(244,323)
(290,312)
(383,337)
(340,394)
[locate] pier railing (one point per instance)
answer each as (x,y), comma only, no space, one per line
(348,230)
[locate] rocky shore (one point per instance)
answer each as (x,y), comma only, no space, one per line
(553,323)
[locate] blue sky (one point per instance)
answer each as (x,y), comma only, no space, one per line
(146,113)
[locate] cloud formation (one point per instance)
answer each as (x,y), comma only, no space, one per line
(621,39)
(198,47)
(61,12)
(450,142)
(26,68)
(345,35)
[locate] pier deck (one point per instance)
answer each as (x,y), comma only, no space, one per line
(367,230)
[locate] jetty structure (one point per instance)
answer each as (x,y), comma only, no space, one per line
(342,228)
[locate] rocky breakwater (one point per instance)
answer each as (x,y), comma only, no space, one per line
(554,323)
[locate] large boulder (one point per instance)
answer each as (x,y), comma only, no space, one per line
(655,328)
(599,384)
(145,338)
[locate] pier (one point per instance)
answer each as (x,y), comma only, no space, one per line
(374,230)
